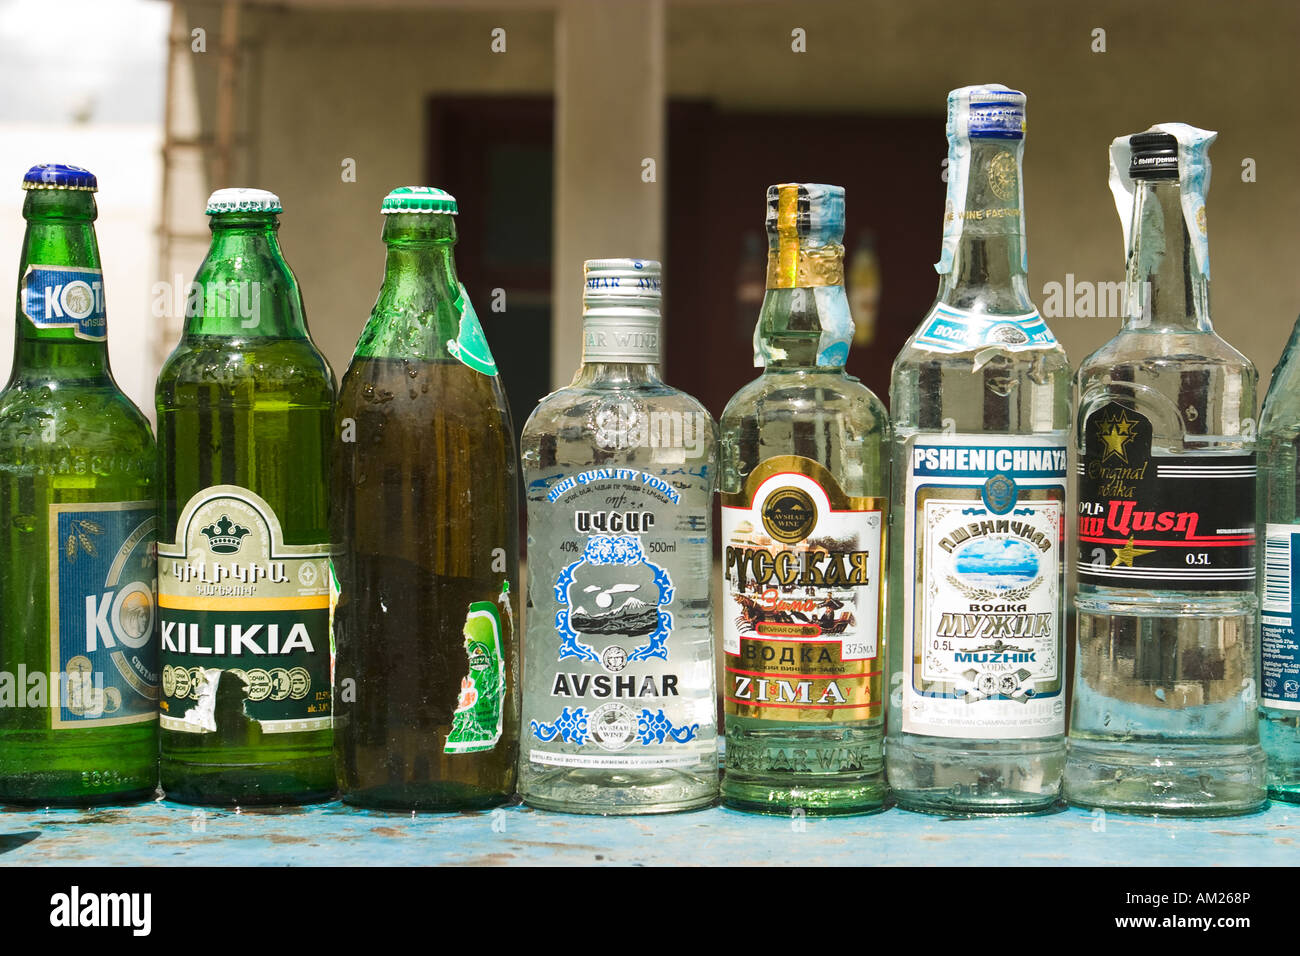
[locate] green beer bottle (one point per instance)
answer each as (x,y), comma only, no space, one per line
(245,408)
(426,538)
(78,647)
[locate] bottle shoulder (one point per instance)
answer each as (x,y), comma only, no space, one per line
(1149,352)
(784,394)
(578,406)
(76,430)
(244,368)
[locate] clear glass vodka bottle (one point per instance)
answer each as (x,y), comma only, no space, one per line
(1166,669)
(980,410)
(804,483)
(1279,520)
(619,707)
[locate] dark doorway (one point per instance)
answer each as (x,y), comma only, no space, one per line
(494,155)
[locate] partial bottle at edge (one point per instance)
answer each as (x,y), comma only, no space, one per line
(78,645)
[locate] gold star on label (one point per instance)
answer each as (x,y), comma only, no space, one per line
(1125,555)
(1115,434)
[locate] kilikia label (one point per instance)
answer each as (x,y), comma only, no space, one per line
(244,620)
(802,562)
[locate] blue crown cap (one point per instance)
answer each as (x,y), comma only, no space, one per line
(60,176)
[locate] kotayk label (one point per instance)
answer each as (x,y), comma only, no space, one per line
(619,684)
(802,562)
(243,620)
(1162,522)
(982,598)
(65,297)
(102,572)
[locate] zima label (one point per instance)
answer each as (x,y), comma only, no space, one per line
(243,620)
(476,724)
(1162,522)
(949,329)
(102,572)
(470,346)
(618,691)
(1280,609)
(983,577)
(802,562)
(64,297)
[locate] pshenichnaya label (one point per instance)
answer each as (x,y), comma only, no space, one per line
(243,620)
(982,603)
(102,579)
(802,562)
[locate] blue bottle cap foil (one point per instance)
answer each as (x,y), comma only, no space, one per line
(60,176)
(987,111)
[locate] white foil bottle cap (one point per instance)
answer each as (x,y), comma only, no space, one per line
(620,311)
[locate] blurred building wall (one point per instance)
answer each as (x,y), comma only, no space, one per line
(333,83)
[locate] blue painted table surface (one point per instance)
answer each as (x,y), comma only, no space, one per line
(163,833)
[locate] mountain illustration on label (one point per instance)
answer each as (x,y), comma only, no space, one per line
(632,617)
(470,346)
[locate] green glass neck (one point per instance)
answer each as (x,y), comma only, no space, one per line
(1165,288)
(60,232)
(245,288)
(416,313)
(988,270)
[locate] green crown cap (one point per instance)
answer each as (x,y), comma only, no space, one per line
(419,199)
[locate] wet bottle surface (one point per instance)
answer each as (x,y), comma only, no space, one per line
(78,681)
(1164,712)
(979,402)
(245,414)
(425,538)
(619,696)
(804,483)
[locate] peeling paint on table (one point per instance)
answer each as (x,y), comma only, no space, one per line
(168,834)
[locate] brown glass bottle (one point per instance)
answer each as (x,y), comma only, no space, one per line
(425,539)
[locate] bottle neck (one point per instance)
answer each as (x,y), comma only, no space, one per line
(1165,287)
(418,308)
(244,289)
(988,268)
(601,374)
(60,238)
(805,307)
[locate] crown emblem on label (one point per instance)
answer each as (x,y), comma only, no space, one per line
(224,536)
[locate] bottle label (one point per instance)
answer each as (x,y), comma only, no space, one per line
(470,347)
(476,724)
(244,620)
(1161,522)
(949,329)
(102,574)
(983,581)
(65,297)
(619,691)
(1279,611)
(802,563)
